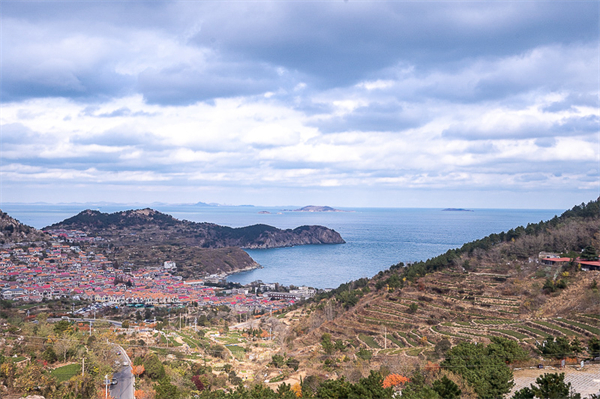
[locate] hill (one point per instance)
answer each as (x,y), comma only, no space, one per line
(11,230)
(497,286)
(147,226)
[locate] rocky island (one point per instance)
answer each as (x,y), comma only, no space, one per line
(314,208)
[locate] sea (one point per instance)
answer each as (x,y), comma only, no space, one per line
(376,238)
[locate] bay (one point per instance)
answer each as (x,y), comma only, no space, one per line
(376,238)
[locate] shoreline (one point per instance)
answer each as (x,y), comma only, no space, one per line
(255,266)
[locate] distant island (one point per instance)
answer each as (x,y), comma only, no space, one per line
(457,210)
(314,208)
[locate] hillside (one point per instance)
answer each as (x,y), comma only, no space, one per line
(11,230)
(147,226)
(496,286)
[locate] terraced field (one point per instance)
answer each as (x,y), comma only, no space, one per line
(453,306)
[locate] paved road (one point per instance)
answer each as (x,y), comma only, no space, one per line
(124,388)
(86,320)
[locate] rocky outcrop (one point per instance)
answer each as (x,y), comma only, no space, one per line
(304,235)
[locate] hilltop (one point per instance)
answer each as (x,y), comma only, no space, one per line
(11,230)
(148,226)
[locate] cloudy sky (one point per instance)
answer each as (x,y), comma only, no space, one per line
(344,103)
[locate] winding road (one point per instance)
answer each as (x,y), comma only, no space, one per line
(124,388)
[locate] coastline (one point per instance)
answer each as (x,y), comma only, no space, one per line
(254,266)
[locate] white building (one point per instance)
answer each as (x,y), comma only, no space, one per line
(170,265)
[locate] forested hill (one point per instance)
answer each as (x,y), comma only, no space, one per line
(566,234)
(148,226)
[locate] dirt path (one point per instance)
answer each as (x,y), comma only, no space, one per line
(585,381)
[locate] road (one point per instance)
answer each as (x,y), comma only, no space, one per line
(124,388)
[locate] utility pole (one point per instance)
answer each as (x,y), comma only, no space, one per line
(90,327)
(195,324)
(106,382)
(82,365)
(385,337)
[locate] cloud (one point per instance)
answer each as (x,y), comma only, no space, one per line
(377,117)
(328,97)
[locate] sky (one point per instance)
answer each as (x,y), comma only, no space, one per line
(480,104)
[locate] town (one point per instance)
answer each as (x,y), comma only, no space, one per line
(62,269)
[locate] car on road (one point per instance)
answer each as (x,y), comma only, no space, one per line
(114,381)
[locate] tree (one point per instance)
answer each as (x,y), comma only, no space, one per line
(364,354)
(125,324)
(326,343)
(558,348)
(165,390)
(481,367)
(589,253)
(506,349)
(576,346)
(446,388)
(82,386)
(594,347)
(553,386)
(198,383)
(62,326)
(138,370)
(393,380)
(154,368)
(413,308)
(525,393)
(277,361)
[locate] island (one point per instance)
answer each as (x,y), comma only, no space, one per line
(315,208)
(457,210)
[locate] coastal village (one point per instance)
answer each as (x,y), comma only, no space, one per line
(62,269)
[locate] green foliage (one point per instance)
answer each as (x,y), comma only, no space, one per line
(583,211)
(165,390)
(348,298)
(293,363)
(153,366)
(506,349)
(482,368)
(61,326)
(49,355)
(558,348)
(549,386)
(277,361)
(594,346)
(446,388)
(577,346)
(326,343)
(416,388)
(413,308)
(364,354)
(589,253)
(525,393)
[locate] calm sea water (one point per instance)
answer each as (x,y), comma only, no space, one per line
(376,238)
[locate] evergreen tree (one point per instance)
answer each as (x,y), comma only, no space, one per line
(446,388)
